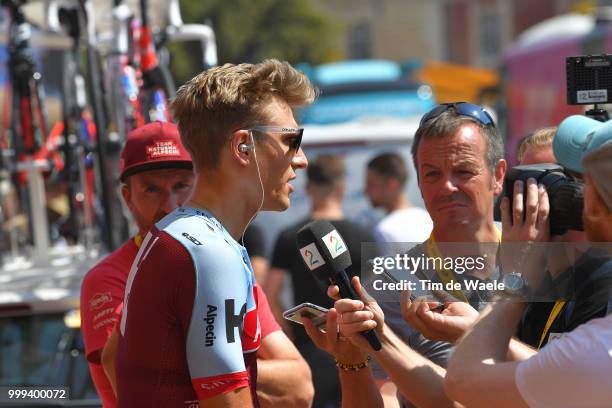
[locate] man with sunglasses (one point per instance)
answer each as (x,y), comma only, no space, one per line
(458,155)
(189,331)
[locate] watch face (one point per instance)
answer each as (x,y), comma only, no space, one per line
(513,282)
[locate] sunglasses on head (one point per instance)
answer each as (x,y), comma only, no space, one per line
(297,132)
(462,108)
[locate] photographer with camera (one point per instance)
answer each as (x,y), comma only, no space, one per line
(577,279)
(573,290)
(574,370)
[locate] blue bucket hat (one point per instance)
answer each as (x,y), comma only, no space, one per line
(585,145)
(576,137)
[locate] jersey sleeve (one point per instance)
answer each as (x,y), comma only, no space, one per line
(221,308)
(101,301)
(266,317)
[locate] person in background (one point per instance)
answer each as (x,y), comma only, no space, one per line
(537,147)
(386,178)
(325,187)
(152,186)
(253,240)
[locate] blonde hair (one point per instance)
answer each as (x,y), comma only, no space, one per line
(541,138)
(224,99)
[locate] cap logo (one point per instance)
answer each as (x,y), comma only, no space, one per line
(334,243)
(311,256)
(161,149)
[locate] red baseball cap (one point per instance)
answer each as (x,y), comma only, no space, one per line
(156,145)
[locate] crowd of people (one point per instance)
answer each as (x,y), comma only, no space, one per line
(184,315)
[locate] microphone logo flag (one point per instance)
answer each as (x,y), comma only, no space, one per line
(335,244)
(311,256)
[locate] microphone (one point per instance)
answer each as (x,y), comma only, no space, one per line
(326,256)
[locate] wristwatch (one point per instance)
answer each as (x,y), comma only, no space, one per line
(515,287)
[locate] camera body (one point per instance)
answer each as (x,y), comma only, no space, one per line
(565,194)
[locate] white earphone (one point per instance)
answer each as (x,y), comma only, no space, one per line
(244,148)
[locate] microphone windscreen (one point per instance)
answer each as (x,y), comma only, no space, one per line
(323,249)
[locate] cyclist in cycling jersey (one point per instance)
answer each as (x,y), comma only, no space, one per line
(190,328)
(157,177)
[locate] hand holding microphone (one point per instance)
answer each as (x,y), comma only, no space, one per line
(358,316)
(327,257)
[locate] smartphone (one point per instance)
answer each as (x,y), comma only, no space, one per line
(314,312)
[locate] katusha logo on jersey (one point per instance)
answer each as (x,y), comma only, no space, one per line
(251,332)
(311,256)
(99,299)
(334,243)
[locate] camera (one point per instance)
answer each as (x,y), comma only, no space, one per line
(565,194)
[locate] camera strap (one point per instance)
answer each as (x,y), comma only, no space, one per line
(554,313)
(448,275)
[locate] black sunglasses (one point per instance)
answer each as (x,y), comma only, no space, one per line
(463,109)
(298,132)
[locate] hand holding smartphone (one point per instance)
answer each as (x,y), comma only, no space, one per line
(316,313)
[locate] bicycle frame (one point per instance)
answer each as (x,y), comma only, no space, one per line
(155,86)
(78,138)
(107,145)
(28,121)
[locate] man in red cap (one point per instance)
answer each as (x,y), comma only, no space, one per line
(157,176)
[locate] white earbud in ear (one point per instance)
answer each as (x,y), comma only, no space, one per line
(243,148)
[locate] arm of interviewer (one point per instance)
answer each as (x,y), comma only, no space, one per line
(108,358)
(418,379)
(388,392)
(453,322)
(477,372)
(358,387)
(283,376)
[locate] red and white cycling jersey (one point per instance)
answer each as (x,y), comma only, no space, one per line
(189,328)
